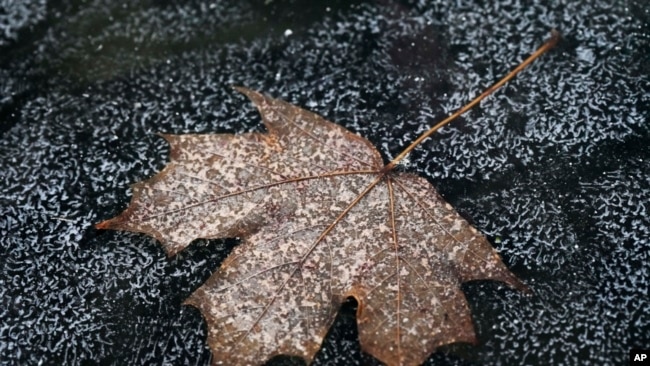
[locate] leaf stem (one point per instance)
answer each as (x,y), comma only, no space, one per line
(550,43)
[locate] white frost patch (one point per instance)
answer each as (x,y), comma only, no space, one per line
(585,54)
(403,272)
(308,303)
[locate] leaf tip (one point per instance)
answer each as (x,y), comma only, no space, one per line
(247,92)
(119,222)
(257,98)
(517,284)
(167,136)
(240,89)
(190,301)
(108,224)
(101,225)
(473,340)
(526,290)
(170,251)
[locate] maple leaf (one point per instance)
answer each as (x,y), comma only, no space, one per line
(320,218)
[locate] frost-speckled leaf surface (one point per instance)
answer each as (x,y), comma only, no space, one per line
(314,231)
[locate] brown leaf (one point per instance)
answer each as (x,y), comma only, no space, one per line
(320,219)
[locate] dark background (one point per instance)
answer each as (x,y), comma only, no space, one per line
(554,168)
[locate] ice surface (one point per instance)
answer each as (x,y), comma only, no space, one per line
(554,167)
